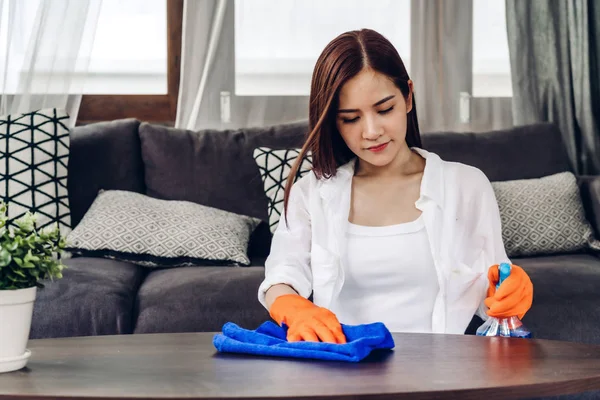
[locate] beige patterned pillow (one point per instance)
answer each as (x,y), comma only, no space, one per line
(543,216)
(143,230)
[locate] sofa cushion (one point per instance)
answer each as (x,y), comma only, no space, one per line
(565,297)
(199,299)
(95,297)
(504,155)
(543,216)
(210,167)
(143,230)
(104,155)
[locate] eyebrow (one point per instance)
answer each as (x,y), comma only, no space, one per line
(374,105)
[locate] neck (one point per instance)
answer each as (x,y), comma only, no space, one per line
(405,163)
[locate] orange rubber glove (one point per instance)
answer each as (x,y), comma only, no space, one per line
(513,297)
(306,321)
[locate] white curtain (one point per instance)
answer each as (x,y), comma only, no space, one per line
(442,66)
(207,91)
(200,81)
(265,79)
(447,71)
(45,48)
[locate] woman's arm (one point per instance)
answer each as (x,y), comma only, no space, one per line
(287,268)
(275,291)
(288,275)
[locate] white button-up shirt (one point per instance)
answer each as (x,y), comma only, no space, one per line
(461,218)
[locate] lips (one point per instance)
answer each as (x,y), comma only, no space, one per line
(378,148)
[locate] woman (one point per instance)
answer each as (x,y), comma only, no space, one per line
(382,230)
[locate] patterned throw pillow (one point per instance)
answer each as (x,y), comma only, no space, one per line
(543,216)
(34,154)
(275,166)
(136,228)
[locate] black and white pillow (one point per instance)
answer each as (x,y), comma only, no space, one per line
(34,154)
(543,216)
(275,166)
(143,230)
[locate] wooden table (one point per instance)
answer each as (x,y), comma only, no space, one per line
(187,366)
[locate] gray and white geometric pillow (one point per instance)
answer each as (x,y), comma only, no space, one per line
(34,154)
(143,230)
(543,216)
(275,166)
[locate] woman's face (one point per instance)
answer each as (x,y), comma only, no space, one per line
(371,117)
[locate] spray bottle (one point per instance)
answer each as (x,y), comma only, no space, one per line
(508,327)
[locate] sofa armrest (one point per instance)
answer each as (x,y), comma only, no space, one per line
(590,195)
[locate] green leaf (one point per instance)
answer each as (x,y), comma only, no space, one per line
(18,272)
(18,241)
(27,222)
(5,257)
(30,257)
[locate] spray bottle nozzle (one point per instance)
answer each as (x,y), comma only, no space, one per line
(503,273)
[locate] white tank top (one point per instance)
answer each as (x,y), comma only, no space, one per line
(390,277)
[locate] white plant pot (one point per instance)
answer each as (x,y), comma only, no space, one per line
(16,310)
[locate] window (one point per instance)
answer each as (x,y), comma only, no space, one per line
(23,49)
(129,54)
(491,63)
(133,64)
(277,42)
(145,107)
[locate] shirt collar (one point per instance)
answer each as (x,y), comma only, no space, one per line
(432,183)
(432,187)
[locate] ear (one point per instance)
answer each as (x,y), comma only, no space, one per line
(409,98)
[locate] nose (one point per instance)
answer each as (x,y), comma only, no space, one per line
(371,129)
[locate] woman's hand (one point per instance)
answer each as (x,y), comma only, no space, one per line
(306,321)
(513,297)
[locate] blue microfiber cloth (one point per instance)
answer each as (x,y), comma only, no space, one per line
(270,340)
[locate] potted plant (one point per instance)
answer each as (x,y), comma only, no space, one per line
(27,256)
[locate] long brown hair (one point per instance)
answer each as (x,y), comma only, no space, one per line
(343,58)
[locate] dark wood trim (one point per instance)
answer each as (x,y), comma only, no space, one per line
(175,32)
(152,108)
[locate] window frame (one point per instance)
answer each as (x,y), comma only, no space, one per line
(160,108)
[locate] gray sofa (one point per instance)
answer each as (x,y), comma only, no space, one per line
(215,168)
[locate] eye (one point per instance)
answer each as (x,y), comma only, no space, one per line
(386,111)
(349,121)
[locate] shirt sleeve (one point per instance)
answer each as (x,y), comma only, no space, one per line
(490,228)
(289,259)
